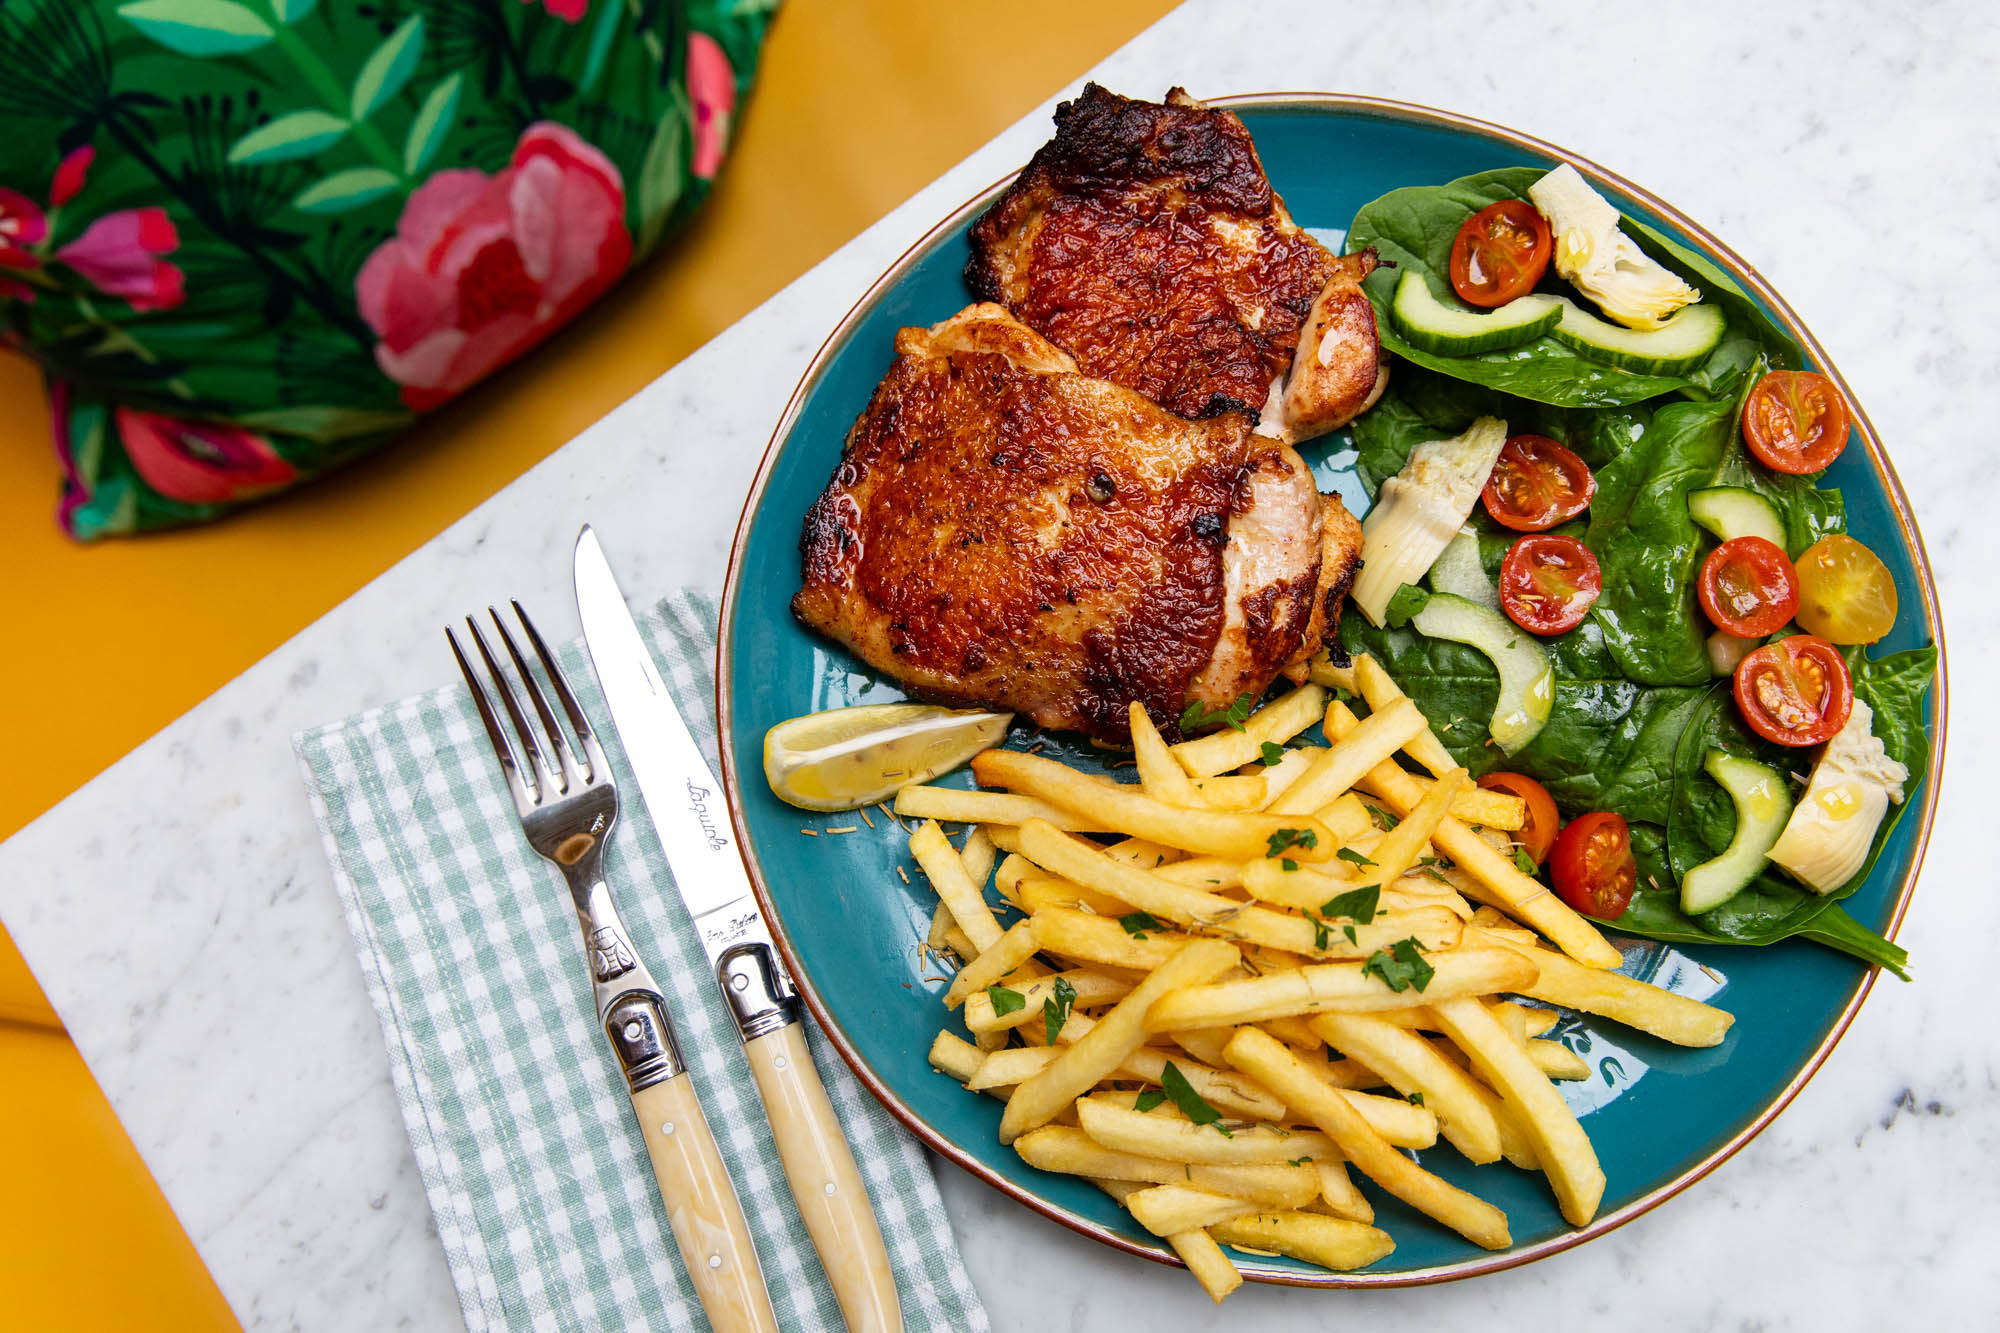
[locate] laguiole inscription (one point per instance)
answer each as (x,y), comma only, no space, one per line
(698,802)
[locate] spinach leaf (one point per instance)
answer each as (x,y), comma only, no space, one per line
(1414,229)
(1648,546)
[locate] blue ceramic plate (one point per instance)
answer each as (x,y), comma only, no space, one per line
(1660,1116)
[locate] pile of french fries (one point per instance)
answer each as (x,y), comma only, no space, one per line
(1293,961)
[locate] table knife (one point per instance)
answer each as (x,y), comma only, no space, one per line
(691,819)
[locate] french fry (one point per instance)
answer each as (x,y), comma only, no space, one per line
(1271,1063)
(1330,1242)
(955,806)
(1279,777)
(940,863)
(1560,1143)
(1167,1210)
(1140,852)
(1073,1152)
(1373,741)
(1520,895)
(1336,986)
(955,1056)
(1348,817)
(1006,837)
(1178,1139)
(979,854)
(1148,891)
(1224,1089)
(1016,945)
(1232,791)
(1010,1065)
(1557,1060)
(1043,892)
(1160,775)
(1117,1035)
(1411,1065)
(1203,872)
(1401,1124)
(1100,939)
(1402,845)
(1092,989)
(1204,1044)
(1279,721)
(1322,671)
(1337,1191)
(1534,1019)
(1637,1004)
(1211,1267)
(1515,1147)
(959,942)
(1512,1020)
(940,922)
(1382,692)
(1211,832)
(1013,868)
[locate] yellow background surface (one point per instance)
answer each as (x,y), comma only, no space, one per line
(860,103)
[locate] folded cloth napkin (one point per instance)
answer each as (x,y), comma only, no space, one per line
(535,1168)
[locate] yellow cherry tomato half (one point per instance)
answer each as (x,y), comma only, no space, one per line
(1845,592)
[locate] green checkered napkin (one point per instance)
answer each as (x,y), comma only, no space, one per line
(536,1172)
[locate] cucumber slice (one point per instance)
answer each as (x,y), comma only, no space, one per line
(1689,335)
(1731,512)
(1432,325)
(1527,681)
(1763,804)
(1458,572)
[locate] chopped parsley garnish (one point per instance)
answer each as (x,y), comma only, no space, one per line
(1273,753)
(1321,935)
(1298,1161)
(1289,864)
(1524,862)
(1290,837)
(1194,717)
(1005,1001)
(1138,923)
(1357,905)
(1352,938)
(1386,820)
(1148,1099)
(1055,1009)
(1416,1099)
(1188,1100)
(1400,966)
(1352,857)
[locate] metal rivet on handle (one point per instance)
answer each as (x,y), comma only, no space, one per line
(831,1187)
(667,1128)
(780,1062)
(715,1261)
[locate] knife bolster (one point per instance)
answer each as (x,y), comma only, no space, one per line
(642,1037)
(759,998)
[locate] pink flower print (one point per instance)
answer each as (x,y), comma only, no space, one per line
(69,175)
(119,255)
(22,224)
(569,11)
(712,89)
(482,268)
(200,462)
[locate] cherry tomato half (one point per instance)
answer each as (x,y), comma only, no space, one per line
(1795,421)
(1795,691)
(1548,583)
(1592,865)
(1500,253)
(1536,484)
(1846,594)
(1748,587)
(1539,833)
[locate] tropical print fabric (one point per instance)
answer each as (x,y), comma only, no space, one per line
(249,240)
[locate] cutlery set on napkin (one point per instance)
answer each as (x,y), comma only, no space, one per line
(567,799)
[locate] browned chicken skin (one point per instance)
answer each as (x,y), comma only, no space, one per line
(1003,530)
(1145,239)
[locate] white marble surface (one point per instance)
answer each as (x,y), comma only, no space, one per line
(179,913)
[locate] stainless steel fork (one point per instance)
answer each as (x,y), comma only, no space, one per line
(568,805)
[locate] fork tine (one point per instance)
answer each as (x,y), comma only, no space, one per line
(558,738)
(503,749)
(563,692)
(545,777)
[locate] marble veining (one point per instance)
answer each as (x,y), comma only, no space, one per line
(179,913)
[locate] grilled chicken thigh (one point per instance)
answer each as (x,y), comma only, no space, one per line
(1145,239)
(1005,530)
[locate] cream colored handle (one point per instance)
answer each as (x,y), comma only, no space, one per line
(825,1181)
(707,1220)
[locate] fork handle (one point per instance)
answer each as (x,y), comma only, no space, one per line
(825,1182)
(707,1220)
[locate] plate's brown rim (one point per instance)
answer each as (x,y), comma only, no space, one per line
(1385,109)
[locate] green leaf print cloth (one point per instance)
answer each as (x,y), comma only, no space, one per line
(249,240)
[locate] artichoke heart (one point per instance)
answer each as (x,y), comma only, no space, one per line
(1600,260)
(1420,509)
(1826,841)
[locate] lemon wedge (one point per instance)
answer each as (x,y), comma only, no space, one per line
(847,757)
